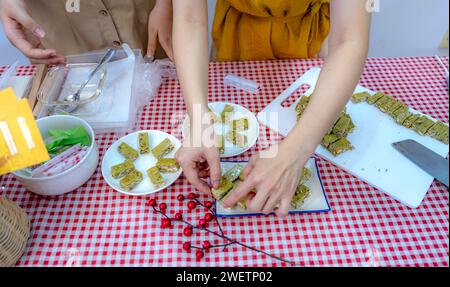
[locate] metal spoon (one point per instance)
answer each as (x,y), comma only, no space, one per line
(76,97)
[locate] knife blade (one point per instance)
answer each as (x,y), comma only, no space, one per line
(426,159)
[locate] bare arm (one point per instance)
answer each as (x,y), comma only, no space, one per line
(190,41)
(276,179)
(349,40)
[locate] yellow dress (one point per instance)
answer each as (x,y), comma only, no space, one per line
(270,29)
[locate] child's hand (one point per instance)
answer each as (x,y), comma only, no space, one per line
(160,28)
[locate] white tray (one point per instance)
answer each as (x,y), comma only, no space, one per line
(316,203)
(374,160)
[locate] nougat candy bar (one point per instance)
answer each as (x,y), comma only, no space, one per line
(239,125)
(227,113)
(144,143)
(302,193)
(155,177)
(306,175)
(224,188)
(422,125)
(375,98)
(163,149)
(360,97)
(128,152)
(343,126)
(233,174)
(409,121)
(340,147)
(330,139)
(131,180)
(121,170)
(168,165)
(237,139)
(385,103)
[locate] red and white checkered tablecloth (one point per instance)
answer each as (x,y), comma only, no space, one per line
(96,226)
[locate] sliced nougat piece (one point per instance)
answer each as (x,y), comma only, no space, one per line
(360,97)
(128,152)
(121,170)
(237,139)
(341,146)
(343,126)
(409,121)
(224,188)
(439,131)
(214,117)
(422,125)
(330,139)
(168,165)
(301,194)
(385,103)
(240,125)
(375,98)
(436,129)
(156,177)
(131,180)
(221,143)
(233,174)
(401,114)
(163,149)
(306,175)
(302,105)
(227,113)
(397,105)
(144,143)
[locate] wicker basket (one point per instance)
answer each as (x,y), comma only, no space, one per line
(14,232)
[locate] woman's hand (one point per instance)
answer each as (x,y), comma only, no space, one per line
(273,178)
(200,158)
(160,28)
(25,34)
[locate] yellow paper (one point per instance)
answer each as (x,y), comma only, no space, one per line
(21,144)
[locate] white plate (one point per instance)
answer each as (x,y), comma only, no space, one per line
(221,129)
(317,202)
(143,163)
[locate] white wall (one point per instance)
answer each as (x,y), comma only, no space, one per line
(409,28)
(400,28)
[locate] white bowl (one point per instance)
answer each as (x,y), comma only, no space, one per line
(72,178)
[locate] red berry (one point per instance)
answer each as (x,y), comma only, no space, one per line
(209,217)
(180,197)
(187,231)
(163,206)
(202,223)
(166,223)
(152,202)
(208,204)
(199,255)
(206,245)
(179,216)
(192,196)
(187,246)
(192,205)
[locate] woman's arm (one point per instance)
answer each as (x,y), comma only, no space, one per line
(190,42)
(276,178)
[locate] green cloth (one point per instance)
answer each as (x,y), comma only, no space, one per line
(60,140)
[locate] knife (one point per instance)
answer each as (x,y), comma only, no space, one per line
(426,159)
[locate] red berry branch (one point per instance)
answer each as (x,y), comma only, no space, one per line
(202,225)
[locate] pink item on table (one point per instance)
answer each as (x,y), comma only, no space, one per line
(61,162)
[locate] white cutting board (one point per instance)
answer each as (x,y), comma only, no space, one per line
(374,160)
